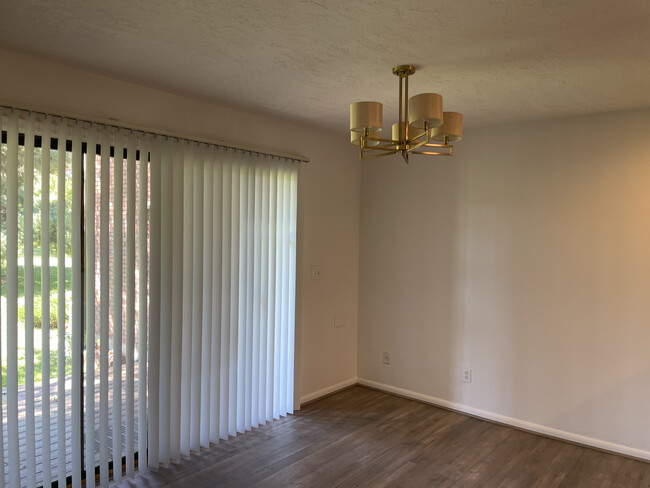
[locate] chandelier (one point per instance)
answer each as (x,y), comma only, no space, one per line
(426,123)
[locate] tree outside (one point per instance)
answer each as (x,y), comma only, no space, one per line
(39,206)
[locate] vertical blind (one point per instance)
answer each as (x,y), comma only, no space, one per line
(148,295)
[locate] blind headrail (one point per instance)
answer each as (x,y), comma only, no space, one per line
(41,116)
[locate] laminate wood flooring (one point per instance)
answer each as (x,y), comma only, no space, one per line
(365,438)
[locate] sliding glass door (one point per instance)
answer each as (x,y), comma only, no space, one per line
(60,198)
(148,296)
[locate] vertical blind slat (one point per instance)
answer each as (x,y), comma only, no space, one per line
(293,245)
(154,305)
(277,373)
(234,301)
(264,294)
(226,263)
(206,302)
(197,285)
(45,301)
(257,302)
(12,300)
(28,257)
(250,263)
(284,280)
(287,317)
(130,305)
(186,364)
(77,311)
(104,273)
(272,289)
(61,301)
(241,300)
(177,305)
(215,354)
(89,411)
(143,280)
(277,340)
(280,308)
(280,297)
(118,243)
(166,226)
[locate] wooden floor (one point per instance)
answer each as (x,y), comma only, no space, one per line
(361,437)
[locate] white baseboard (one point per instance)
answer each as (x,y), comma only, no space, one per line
(326,391)
(520,424)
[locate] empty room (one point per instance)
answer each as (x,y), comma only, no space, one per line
(325,243)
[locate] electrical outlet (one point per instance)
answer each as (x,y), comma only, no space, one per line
(467,375)
(386,358)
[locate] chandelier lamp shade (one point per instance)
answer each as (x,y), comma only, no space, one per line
(422,127)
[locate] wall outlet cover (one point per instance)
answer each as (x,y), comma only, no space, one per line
(467,375)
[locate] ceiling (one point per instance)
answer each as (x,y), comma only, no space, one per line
(493,60)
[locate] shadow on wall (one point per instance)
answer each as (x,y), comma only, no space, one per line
(408,263)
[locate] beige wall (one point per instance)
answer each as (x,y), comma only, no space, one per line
(328,196)
(526,258)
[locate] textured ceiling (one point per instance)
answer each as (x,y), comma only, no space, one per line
(493,60)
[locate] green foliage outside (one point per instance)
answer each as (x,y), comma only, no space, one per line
(38,311)
(38,367)
(38,207)
(37,203)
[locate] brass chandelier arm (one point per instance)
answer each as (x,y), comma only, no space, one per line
(432,153)
(386,149)
(437,153)
(382,148)
(432,144)
(377,139)
(374,156)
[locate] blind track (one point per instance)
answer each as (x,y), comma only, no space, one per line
(178,137)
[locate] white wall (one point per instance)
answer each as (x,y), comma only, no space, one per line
(328,198)
(527,258)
